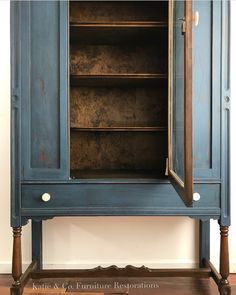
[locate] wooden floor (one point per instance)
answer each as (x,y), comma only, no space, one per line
(145,286)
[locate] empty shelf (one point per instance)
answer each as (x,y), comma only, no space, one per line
(119,129)
(116,80)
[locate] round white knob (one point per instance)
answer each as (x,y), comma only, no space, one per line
(46,197)
(196,196)
(196,17)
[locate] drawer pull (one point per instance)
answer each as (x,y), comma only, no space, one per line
(196,197)
(46,197)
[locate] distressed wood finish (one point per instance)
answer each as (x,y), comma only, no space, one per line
(129,197)
(44,146)
(117,125)
(103,114)
(118,150)
(204,242)
(128,271)
(37,243)
(118,107)
(85,12)
(104,60)
(180,152)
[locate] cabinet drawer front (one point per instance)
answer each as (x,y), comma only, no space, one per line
(115,199)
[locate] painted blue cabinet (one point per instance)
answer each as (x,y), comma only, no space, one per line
(120,108)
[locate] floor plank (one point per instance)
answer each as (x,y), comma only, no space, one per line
(118,286)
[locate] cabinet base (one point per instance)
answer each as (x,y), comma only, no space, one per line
(128,271)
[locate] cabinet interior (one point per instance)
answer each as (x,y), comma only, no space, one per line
(118,89)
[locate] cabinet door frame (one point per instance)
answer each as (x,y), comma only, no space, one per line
(183,187)
(28,171)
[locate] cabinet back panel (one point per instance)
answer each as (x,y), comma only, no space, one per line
(118,107)
(123,105)
(86,11)
(118,150)
(92,60)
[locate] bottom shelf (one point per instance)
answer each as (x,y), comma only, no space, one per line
(116,174)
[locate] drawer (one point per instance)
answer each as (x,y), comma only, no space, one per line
(115,199)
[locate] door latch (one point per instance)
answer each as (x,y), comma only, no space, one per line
(183,25)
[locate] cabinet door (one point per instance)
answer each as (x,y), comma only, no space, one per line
(180,168)
(44,87)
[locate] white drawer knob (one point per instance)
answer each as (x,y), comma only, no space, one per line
(196,197)
(46,197)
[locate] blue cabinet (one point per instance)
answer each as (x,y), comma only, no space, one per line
(120,108)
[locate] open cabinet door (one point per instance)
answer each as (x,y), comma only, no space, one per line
(180,167)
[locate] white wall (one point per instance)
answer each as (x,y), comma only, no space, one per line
(88,242)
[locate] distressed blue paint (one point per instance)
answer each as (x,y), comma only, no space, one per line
(15,116)
(44,83)
(206,90)
(178,126)
(116,199)
(37,243)
(204,242)
(33,100)
(225,113)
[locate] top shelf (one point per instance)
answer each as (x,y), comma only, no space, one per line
(120,24)
(113,32)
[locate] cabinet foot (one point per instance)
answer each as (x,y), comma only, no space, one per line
(224,289)
(16,290)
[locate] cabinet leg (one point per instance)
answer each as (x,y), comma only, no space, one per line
(37,243)
(204,241)
(224,286)
(16,261)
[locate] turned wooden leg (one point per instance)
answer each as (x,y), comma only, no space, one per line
(16,258)
(224,286)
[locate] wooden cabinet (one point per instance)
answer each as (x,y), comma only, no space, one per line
(120,108)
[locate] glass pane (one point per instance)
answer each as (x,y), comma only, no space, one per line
(178,91)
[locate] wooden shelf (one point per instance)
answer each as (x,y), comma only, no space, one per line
(116,32)
(116,80)
(120,24)
(119,129)
(116,174)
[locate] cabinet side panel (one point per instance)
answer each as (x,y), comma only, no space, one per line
(15,115)
(225,219)
(44,89)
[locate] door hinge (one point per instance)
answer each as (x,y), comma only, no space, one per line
(167,167)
